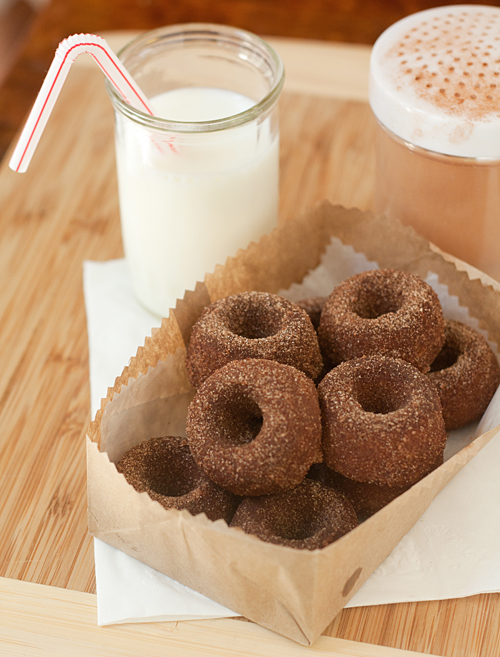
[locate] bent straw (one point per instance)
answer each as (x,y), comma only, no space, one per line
(66,53)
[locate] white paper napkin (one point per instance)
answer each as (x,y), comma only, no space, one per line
(453,551)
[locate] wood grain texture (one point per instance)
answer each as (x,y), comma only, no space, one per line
(64,210)
(41,621)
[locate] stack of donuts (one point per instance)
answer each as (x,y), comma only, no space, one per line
(310,417)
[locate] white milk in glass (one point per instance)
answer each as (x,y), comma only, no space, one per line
(190,200)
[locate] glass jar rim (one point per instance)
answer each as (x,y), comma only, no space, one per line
(197,31)
(445,157)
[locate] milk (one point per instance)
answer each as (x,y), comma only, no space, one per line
(190,200)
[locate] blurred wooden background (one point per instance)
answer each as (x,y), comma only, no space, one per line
(30,30)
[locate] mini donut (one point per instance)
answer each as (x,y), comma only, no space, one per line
(252,325)
(309,517)
(382,421)
(254,427)
(365,498)
(166,471)
(313,307)
(387,312)
(465,373)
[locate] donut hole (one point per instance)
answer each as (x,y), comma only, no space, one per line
(446,358)
(377,401)
(241,420)
(381,399)
(173,477)
(254,322)
(373,303)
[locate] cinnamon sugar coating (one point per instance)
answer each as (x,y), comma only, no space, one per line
(313,307)
(166,471)
(252,325)
(387,312)
(365,498)
(254,427)
(465,373)
(382,421)
(309,517)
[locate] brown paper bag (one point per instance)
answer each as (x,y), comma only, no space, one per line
(296,593)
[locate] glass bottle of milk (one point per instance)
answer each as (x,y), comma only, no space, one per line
(199,180)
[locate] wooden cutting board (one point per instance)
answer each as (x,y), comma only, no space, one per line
(65,210)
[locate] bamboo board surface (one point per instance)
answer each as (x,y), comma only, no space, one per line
(51,622)
(65,210)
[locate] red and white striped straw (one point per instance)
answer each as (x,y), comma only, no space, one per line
(66,53)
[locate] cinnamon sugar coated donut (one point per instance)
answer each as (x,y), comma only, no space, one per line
(465,373)
(252,325)
(254,427)
(386,312)
(309,517)
(365,498)
(313,307)
(164,468)
(382,421)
